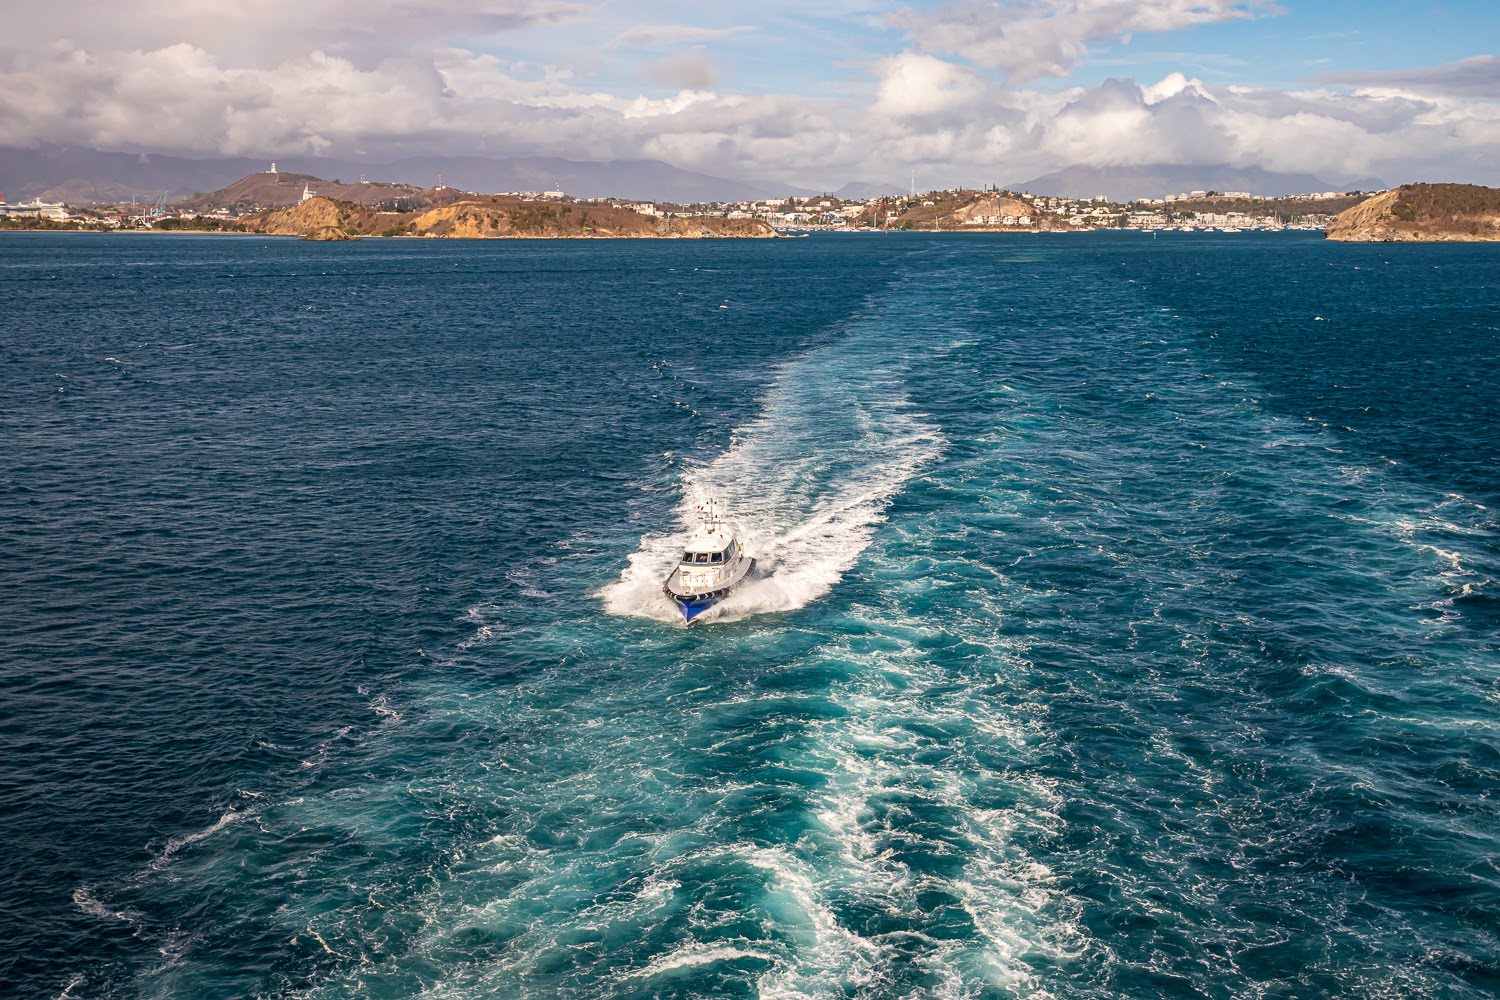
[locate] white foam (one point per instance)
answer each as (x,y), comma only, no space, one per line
(84,899)
(482,634)
(381,706)
(319,938)
(692,956)
(176,844)
(807,482)
(525,581)
(1016,903)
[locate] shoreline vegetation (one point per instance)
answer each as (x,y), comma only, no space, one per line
(324,219)
(493,217)
(1422,213)
(309,207)
(1410,213)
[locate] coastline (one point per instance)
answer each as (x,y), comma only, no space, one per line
(375,236)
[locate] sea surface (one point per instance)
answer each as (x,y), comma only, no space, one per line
(1131,624)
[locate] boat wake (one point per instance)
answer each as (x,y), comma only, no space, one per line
(808,481)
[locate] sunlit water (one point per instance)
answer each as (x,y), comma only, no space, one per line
(1129,623)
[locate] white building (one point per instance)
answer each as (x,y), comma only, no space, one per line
(36,209)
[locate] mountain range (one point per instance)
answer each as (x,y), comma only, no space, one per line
(82,176)
(1122,184)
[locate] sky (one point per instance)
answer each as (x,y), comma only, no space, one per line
(959,91)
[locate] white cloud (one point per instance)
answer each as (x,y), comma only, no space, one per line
(949,121)
(690,69)
(1025,39)
(1478,76)
(1336,135)
(1170,86)
(913,85)
(241,33)
(650,36)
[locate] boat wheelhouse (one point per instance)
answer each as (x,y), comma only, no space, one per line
(713,563)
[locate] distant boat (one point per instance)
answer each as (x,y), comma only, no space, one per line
(713,564)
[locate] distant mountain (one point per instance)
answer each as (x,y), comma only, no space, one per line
(1131,183)
(90,176)
(863,190)
(648,180)
(284,189)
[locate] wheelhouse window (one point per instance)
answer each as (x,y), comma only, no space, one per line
(687,557)
(703,557)
(718,557)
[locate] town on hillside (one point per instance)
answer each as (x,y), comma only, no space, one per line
(238,207)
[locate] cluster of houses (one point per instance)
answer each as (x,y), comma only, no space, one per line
(819,211)
(1039,211)
(1230,222)
(965,207)
(998,220)
(833,213)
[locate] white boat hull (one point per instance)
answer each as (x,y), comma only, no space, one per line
(694,594)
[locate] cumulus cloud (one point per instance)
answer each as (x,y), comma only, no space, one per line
(1026,39)
(1337,135)
(913,85)
(952,121)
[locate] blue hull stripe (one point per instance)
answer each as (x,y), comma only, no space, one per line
(693,608)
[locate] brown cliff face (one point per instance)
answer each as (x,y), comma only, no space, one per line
(968,211)
(499,218)
(316,215)
(695,229)
(1419,213)
(328,234)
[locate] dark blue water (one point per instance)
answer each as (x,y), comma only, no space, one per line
(1132,625)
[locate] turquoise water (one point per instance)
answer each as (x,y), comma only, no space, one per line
(1130,626)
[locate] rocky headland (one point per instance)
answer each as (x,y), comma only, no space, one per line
(1422,213)
(494,217)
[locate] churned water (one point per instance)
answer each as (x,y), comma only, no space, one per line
(1132,622)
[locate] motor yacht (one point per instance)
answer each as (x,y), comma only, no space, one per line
(713,563)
